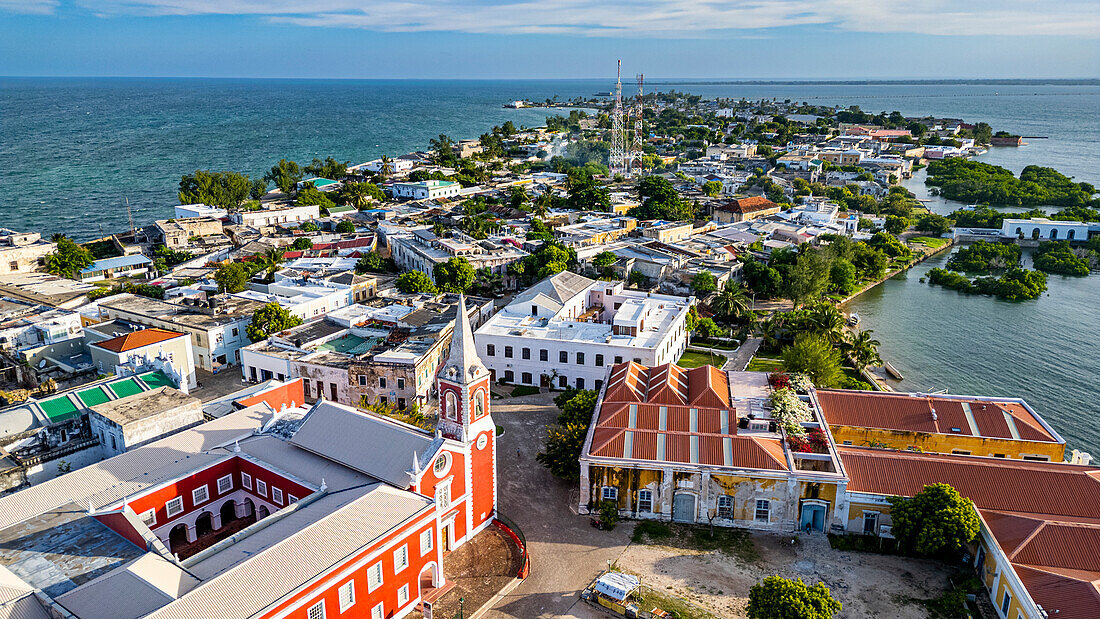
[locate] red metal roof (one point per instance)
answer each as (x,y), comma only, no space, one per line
(669,414)
(932,413)
(138,339)
(748,205)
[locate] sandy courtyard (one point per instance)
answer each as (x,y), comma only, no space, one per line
(867,584)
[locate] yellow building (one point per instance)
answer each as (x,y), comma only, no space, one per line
(961,425)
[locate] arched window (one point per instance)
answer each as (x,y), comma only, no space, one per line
(1019,232)
(1053,234)
(451,407)
(479,404)
(1035,234)
(1070,235)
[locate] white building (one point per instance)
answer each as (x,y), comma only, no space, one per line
(22,252)
(275,216)
(426,190)
(184,211)
(396,166)
(420,250)
(566,330)
(1045,229)
(305,300)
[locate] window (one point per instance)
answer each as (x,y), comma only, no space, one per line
(149,518)
(637,359)
(173,507)
(534,310)
(378,612)
(544,355)
(563,357)
(317,611)
(599,359)
(870,523)
(200,494)
(508,352)
(610,493)
(113,445)
(645,501)
(1006,601)
(225,484)
(443,496)
(276,495)
(332,391)
(563,382)
(1037,458)
(763,510)
(580,383)
(362,380)
(261,487)
(580,358)
(960,452)
(401,384)
(618,359)
(525,353)
(236,332)
(403,596)
(305,383)
(994,455)
(400,559)
(725,506)
(599,383)
(347,595)
(246,481)
(374,576)
(525,378)
(381,382)
(491,350)
(425,542)
(509,376)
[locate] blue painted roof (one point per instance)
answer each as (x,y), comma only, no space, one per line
(114,263)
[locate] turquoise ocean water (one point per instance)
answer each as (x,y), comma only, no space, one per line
(72,150)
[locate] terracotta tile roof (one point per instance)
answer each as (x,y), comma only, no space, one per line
(941,414)
(669,414)
(748,205)
(137,339)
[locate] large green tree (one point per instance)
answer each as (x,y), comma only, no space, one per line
(285,175)
(232,277)
(454,275)
(329,168)
(223,189)
(704,283)
(68,258)
(415,281)
(732,303)
(564,440)
(269,319)
(808,278)
(937,521)
(587,194)
(864,350)
(782,598)
(813,355)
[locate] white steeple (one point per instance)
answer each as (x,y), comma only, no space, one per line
(463,365)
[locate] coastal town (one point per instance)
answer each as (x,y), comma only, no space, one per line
(598,367)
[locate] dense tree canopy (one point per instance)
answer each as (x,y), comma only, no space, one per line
(660,200)
(414,281)
(938,521)
(454,275)
(285,175)
(967,180)
(269,319)
(814,356)
(781,598)
(68,258)
(226,190)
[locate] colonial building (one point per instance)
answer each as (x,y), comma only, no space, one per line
(268,511)
(743,209)
(567,330)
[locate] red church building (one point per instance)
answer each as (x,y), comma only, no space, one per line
(265,512)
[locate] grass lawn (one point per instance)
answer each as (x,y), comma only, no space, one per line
(524,390)
(696,359)
(764,364)
(929,241)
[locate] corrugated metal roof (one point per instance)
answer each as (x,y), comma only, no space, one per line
(369,444)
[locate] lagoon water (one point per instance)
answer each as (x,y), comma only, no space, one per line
(72,150)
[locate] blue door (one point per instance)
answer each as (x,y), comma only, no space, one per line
(813,517)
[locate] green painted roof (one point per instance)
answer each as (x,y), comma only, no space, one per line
(125,388)
(59,408)
(157,379)
(93,396)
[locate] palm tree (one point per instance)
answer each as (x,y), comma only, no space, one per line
(355,194)
(732,303)
(770,328)
(829,322)
(541,206)
(57,236)
(386,168)
(271,260)
(864,350)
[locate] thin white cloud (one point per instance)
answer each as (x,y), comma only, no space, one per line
(32,7)
(643,18)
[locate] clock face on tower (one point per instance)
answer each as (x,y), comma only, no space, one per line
(482,441)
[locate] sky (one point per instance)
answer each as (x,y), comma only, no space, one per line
(768,39)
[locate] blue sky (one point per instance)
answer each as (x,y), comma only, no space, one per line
(551,38)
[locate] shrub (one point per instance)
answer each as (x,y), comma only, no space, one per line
(780,598)
(609,514)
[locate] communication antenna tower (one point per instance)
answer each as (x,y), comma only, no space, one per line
(618,161)
(637,148)
(130,216)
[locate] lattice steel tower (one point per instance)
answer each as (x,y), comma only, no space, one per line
(637,147)
(618,160)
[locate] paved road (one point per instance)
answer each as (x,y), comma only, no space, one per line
(743,354)
(566,552)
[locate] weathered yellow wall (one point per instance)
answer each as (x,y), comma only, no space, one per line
(945,443)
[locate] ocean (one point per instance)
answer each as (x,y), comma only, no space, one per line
(73,151)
